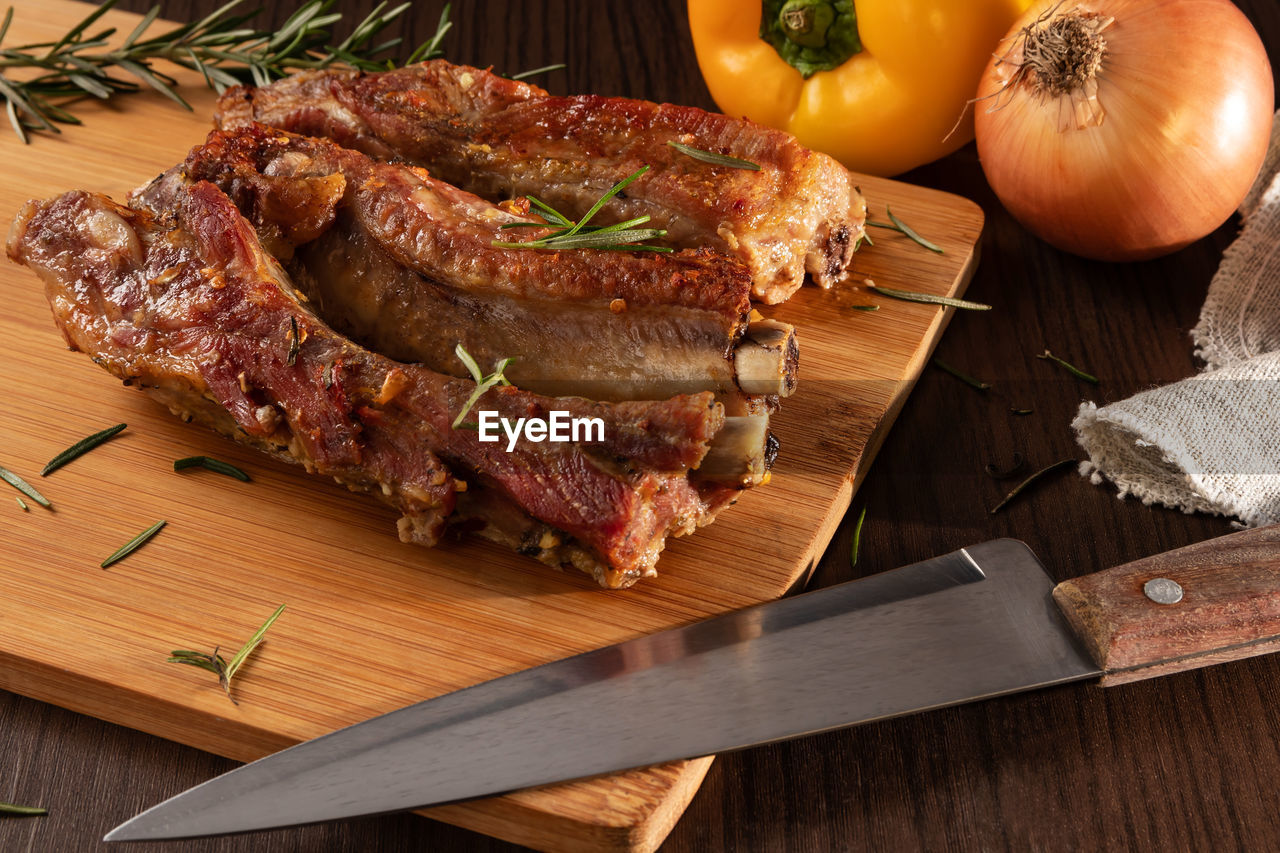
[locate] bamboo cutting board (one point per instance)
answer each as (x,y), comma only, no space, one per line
(372,624)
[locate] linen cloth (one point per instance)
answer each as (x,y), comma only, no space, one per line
(1211,443)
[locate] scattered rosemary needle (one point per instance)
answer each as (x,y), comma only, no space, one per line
(22,503)
(212,464)
(622,236)
(714,158)
(133,544)
(13,810)
(857,539)
(1019,462)
(929,298)
(220,666)
(896,224)
(1070,368)
(1021,411)
(971,381)
(24,487)
(533,72)
(80,448)
(1021,487)
(864,307)
(483,383)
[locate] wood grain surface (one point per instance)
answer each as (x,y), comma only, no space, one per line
(1184,762)
(392,623)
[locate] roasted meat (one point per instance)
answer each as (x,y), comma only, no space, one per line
(502,139)
(189,306)
(404,264)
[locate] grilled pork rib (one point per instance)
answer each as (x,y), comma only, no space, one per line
(404,264)
(189,306)
(501,139)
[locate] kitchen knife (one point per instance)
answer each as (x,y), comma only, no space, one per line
(981,622)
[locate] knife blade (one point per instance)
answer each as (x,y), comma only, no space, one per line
(978,623)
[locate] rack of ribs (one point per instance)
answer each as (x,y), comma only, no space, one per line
(502,139)
(404,264)
(187,304)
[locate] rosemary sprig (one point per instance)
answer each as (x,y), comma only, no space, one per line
(623,236)
(212,464)
(483,383)
(80,448)
(24,487)
(971,381)
(13,810)
(1070,368)
(1022,487)
(220,666)
(220,46)
(713,157)
(929,298)
(896,224)
(133,544)
(857,539)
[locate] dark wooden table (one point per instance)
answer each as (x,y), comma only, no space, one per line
(1184,762)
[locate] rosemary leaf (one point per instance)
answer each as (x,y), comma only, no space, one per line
(1019,462)
(80,448)
(12,810)
(1021,487)
(896,224)
(247,649)
(930,298)
(24,487)
(864,307)
(22,503)
(1070,368)
(971,381)
(857,538)
(713,158)
(1021,411)
(133,544)
(216,465)
(483,383)
(220,666)
(220,46)
(533,72)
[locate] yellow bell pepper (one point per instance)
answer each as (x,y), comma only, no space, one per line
(878,84)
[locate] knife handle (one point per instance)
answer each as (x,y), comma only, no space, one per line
(1229,609)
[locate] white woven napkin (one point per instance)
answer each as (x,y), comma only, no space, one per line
(1211,443)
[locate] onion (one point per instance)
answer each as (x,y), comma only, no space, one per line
(1125,129)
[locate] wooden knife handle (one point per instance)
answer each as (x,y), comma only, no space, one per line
(1230,607)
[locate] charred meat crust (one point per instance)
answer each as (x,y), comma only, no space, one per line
(191,306)
(501,138)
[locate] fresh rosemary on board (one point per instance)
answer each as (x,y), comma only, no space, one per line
(896,224)
(220,46)
(857,539)
(929,298)
(713,158)
(80,448)
(133,544)
(216,465)
(24,487)
(623,236)
(483,383)
(1070,368)
(220,666)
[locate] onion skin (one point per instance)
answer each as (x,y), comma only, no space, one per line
(1188,96)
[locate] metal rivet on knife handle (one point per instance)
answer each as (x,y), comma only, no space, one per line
(1162,591)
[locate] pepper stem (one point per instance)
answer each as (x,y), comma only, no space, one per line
(811,35)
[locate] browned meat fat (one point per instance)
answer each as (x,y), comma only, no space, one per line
(190,306)
(502,139)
